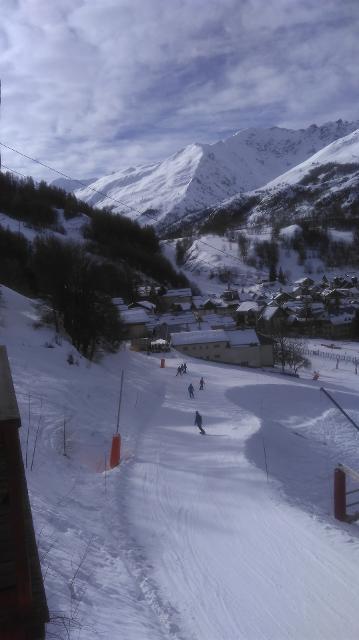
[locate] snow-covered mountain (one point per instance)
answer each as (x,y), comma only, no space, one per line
(342,151)
(71,185)
(203,175)
(324,186)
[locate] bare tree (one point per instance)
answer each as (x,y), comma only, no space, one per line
(288,351)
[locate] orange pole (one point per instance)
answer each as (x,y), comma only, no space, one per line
(115,455)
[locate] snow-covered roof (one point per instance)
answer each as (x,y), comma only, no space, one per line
(247,305)
(214,318)
(177,293)
(146,304)
(184,306)
(182,318)
(269,312)
(134,316)
(199,337)
(242,337)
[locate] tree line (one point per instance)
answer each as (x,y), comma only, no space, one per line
(78,280)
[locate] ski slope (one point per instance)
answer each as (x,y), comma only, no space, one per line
(189,538)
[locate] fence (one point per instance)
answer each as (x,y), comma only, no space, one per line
(331,356)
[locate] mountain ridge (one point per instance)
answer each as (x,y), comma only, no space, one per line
(204,175)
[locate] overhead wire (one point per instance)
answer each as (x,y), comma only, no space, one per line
(43,164)
(122,203)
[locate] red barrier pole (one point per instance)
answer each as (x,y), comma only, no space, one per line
(115,455)
(163,361)
(340,495)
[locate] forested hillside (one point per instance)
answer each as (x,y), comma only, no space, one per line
(111,256)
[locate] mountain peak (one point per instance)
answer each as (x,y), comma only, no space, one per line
(203,175)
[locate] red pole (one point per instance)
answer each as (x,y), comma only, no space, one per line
(163,361)
(339,495)
(115,451)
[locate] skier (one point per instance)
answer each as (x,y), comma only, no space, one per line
(191,390)
(179,370)
(184,367)
(201,384)
(198,422)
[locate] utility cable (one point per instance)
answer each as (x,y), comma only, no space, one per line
(61,173)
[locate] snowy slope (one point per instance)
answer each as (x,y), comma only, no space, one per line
(202,175)
(71,185)
(189,538)
(313,188)
(342,151)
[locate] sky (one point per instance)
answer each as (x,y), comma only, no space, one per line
(93,86)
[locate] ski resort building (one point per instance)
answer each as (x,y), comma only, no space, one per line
(245,347)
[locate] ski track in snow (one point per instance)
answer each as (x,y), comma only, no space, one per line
(187,539)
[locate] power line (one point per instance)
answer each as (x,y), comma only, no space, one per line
(64,175)
(61,173)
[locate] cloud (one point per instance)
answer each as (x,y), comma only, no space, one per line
(96,85)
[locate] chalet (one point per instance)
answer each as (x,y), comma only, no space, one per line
(230,295)
(304,282)
(172,323)
(244,347)
(174,296)
(217,321)
(135,323)
(271,319)
(247,312)
(148,306)
(23,607)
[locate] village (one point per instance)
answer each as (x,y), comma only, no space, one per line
(239,327)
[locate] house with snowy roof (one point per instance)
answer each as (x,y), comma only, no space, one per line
(271,318)
(247,312)
(175,296)
(135,323)
(242,347)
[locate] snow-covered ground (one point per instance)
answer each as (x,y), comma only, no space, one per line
(189,538)
(210,255)
(204,175)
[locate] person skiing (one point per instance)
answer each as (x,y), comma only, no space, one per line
(184,366)
(201,384)
(191,390)
(198,422)
(179,370)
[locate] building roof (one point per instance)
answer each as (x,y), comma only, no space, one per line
(198,337)
(135,316)
(184,318)
(177,293)
(242,337)
(146,304)
(247,305)
(269,312)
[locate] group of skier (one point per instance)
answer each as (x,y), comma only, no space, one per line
(191,387)
(182,368)
(198,418)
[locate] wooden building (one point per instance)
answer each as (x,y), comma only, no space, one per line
(23,607)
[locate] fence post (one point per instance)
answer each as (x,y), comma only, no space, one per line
(339,495)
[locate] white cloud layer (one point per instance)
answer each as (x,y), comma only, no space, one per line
(96,85)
